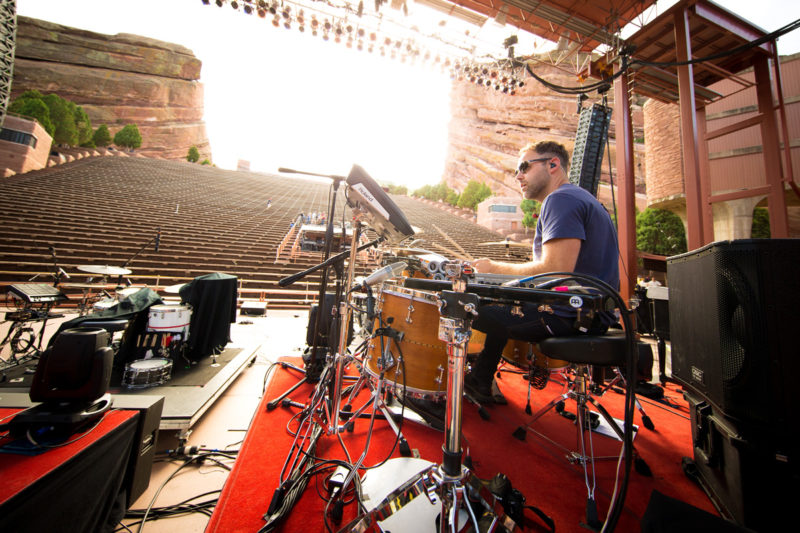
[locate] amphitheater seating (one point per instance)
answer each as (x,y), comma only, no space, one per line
(103,210)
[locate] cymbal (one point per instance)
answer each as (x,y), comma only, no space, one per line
(104,270)
(174,289)
(506,243)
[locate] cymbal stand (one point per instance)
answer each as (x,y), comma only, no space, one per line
(377,390)
(450,483)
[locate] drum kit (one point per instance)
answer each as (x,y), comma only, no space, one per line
(418,349)
(166,333)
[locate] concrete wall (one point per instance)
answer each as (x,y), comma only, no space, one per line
(18,158)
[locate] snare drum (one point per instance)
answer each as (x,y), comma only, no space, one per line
(416,314)
(170,319)
(145,373)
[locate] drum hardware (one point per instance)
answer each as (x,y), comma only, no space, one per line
(449,484)
(367,201)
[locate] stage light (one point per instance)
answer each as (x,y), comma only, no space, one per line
(285,12)
(373,36)
(235,4)
(262,13)
(248,9)
(276,21)
(220,3)
(361,33)
(206,2)
(327,25)
(301,17)
(273,8)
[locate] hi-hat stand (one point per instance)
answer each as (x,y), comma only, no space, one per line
(449,485)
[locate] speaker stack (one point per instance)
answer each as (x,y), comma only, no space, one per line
(733,307)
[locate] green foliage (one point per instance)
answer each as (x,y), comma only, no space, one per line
(433,192)
(34,108)
(760,228)
(452,197)
(64,121)
(84,125)
(397,189)
(660,232)
(531,209)
(128,137)
(205,162)
(474,193)
(62,113)
(194,154)
(102,137)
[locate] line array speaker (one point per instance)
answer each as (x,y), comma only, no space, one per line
(590,139)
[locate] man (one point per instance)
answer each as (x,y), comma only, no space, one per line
(574,233)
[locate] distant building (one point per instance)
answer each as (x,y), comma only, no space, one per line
(243,165)
(501,214)
(24,145)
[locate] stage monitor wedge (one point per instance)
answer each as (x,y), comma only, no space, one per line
(382,214)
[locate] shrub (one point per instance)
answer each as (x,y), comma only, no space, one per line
(194,155)
(102,137)
(128,137)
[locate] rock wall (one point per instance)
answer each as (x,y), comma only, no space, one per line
(117,79)
(488,128)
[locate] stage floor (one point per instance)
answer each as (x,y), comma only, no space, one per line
(184,402)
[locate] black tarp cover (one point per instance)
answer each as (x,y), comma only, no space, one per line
(213,301)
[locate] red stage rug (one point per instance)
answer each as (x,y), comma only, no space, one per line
(538,469)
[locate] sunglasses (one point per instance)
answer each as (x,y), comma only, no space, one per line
(525,165)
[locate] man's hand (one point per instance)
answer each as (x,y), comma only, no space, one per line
(483,265)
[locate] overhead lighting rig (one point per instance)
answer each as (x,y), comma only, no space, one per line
(384,35)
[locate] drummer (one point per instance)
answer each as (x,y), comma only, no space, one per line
(574,233)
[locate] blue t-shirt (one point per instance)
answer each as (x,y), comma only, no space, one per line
(570,212)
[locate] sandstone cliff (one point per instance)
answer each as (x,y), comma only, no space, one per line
(117,79)
(488,128)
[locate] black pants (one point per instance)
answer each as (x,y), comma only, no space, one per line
(500,324)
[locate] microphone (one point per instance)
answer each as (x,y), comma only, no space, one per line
(389,271)
(63,272)
(158,238)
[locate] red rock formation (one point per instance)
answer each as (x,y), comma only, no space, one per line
(117,79)
(488,128)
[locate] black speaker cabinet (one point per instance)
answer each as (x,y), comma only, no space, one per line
(742,471)
(733,310)
(137,476)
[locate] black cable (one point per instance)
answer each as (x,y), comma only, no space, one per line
(630,399)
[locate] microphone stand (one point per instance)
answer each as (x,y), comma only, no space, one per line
(156,238)
(314,367)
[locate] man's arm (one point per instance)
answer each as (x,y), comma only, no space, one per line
(558,255)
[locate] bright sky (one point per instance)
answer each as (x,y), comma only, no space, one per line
(279,97)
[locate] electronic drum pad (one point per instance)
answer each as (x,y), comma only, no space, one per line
(380,212)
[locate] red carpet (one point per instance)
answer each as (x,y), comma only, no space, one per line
(535,467)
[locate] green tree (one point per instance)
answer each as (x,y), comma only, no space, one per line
(660,232)
(102,137)
(194,154)
(128,137)
(474,193)
(452,197)
(531,209)
(760,228)
(62,113)
(84,126)
(34,108)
